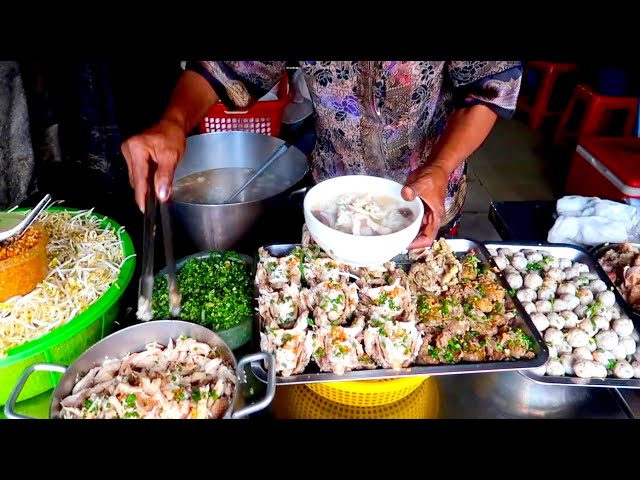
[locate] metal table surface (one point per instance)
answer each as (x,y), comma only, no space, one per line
(530,221)
(461,396)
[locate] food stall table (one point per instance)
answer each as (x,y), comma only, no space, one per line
(487,395)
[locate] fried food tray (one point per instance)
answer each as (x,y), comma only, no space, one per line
(633,312)
(575,254)
(459,247)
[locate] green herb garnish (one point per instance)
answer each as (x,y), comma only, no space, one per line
(130,401)
(195,395)
(216,291)
(533,266)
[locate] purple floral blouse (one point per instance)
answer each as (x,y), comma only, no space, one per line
(377,117)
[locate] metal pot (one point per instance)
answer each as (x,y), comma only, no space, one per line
(134,339)
(221,227)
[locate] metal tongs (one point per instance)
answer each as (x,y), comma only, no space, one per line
(148,243)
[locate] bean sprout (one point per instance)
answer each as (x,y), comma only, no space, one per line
(84,261)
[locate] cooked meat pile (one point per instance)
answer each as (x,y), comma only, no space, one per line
(341,318)
(188,379)
(462,310)
(622,264)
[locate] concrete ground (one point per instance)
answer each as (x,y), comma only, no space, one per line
(515,163)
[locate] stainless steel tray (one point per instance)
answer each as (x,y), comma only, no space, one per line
(598,252)
(576,254)
(313,375)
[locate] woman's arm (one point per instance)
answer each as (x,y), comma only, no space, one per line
(484,91)
(236,84)
(466,131)
(190,100)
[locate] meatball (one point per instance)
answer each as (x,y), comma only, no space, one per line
(604,357)
(606,298)
(592,346)
(615,312)
(514,280)
(564,348)
(566,288)
(623,326)
(554,337)
(501,261)
(607,339)
(570,319)
(623,369)
(567,361)
(599,371)
(555,274)
(555,367)
(526,294)
(585,296)
(533,257)
(544,306)
(505,251)
(582,353)
(559,305)
(577,338)
(581,310)
(600,322)
(519,263)
(571,301)
(636,369)
(555,320)
(597,286)
(581,267)
(564,263)
(540,321)
(584,368)
(588,327)
(532,281)
(551,261)
(546,293)
(571,273)
(629,344)
(529,307)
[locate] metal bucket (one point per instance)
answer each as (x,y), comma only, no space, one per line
(221,227)
(134,339)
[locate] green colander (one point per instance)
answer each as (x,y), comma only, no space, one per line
(64,344)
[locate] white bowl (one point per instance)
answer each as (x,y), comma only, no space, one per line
(360,250)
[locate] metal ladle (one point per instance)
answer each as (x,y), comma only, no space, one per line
(281,150)
(14,225)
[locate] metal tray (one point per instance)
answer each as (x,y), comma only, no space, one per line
(598,252)
(575,254)
(313,375)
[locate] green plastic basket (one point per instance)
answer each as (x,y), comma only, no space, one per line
(66,343)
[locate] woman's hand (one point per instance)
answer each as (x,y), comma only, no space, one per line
(430,184)
(164,143)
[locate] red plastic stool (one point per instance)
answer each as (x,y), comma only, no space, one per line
(538,107)
(598,110)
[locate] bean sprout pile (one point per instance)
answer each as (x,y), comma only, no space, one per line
(84,261)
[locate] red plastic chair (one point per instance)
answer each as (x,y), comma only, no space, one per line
(597,114)
(538,106)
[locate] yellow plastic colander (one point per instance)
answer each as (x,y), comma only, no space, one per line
(367,393)
(300,402)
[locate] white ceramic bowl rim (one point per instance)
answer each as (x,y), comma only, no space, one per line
(355,184)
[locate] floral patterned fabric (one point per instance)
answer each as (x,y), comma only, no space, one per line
(377,118)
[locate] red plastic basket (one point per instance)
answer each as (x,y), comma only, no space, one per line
(263,117)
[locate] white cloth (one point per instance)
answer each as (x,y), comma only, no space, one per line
(591,221)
